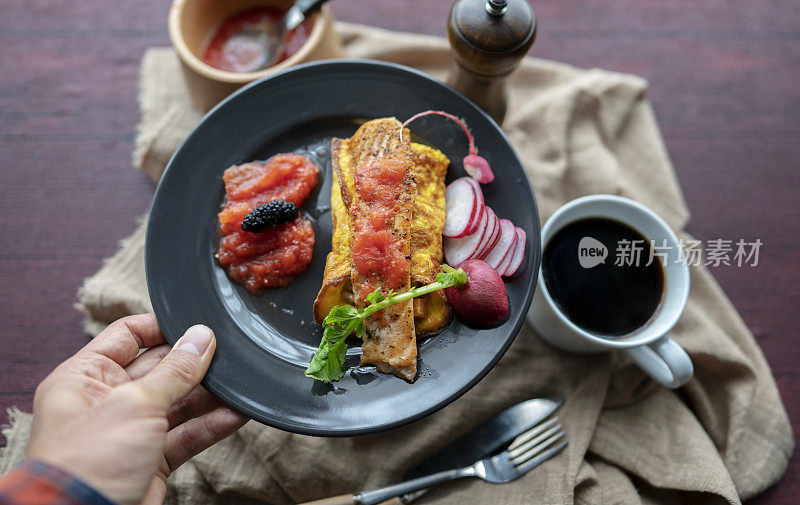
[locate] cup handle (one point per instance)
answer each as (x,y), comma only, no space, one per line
(664,360)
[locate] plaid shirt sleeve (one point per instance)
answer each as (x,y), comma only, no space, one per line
(37,483)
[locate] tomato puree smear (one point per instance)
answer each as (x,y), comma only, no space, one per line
(376,251)
(275,256)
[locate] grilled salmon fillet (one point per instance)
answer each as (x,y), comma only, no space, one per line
(389,345)
(431,312)
(390,342)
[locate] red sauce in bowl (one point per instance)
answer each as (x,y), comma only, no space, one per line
(237,46)
(275,256)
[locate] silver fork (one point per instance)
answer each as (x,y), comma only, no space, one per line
(525,453)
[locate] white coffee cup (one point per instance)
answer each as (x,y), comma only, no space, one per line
(649,346)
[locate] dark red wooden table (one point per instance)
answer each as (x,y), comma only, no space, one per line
(723,78)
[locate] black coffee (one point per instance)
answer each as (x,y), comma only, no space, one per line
(609,297)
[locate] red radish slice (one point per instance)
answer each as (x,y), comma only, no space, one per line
(473,183)
(519,253)
(478,168)
(487,231)
(493,237)
(509,255)
(462,205)
(457,250)
(494,228)
(490,219)
(479,204)
(476,218)
(508,236)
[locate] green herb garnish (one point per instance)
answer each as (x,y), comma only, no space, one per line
(345,320)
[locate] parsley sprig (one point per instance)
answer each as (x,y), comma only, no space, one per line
(327,365)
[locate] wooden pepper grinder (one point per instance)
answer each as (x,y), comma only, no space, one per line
(489,38)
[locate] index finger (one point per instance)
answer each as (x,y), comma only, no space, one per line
(122,339)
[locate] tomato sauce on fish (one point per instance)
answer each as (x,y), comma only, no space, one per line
(375,250)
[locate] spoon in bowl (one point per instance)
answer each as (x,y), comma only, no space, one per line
(270,38)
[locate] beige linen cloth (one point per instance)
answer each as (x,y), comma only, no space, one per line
(722,438)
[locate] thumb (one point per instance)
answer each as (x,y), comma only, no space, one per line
(182,368)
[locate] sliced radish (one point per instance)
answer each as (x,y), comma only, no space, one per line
(508,236)
(490,221)
(457,250)
(509,255)
(478,168)
(487,231)
(476,218)
(475,165)
(494,240)
(519,253)
(462,205)
(481,214)
(493,228)
(472,183)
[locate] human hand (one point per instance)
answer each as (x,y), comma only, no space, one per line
(123,423)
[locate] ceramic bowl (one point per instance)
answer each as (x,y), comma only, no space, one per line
(192,23)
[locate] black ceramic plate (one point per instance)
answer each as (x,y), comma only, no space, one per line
(266,341)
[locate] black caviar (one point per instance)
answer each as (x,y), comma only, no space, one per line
(269,214)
